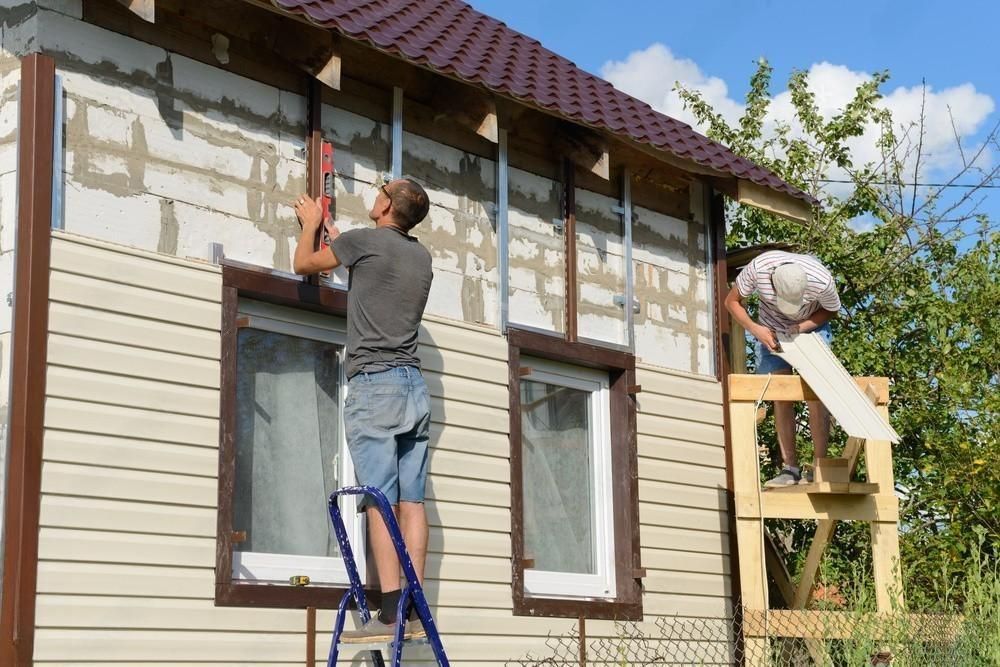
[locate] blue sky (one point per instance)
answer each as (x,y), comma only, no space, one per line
(713,45)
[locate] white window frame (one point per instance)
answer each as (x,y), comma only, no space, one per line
(602,584)
(321,570)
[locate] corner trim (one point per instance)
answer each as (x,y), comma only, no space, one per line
(29,358)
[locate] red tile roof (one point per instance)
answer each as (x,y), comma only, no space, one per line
(451,37)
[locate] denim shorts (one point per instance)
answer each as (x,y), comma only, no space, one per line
(387,418)
(768,362)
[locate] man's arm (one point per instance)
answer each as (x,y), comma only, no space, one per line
(307,260)
(816,320)
(734,304)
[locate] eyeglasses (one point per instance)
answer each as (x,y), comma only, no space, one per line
(385,191)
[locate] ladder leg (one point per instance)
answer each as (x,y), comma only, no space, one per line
(356,591)
(412,592)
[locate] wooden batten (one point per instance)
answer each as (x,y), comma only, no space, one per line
(793,388)
(585,149)
(144,9)
(468,107)
(786,206)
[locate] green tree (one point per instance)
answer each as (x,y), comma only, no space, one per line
(920,289)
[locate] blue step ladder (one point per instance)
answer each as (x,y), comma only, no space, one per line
(411,592)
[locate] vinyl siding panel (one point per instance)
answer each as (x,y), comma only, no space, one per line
(129,488)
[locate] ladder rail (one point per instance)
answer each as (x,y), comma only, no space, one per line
(412,591)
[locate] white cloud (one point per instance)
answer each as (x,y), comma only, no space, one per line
(651,74)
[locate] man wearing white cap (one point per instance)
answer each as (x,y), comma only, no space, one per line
(796,294)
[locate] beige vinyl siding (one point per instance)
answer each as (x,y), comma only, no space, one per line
(129,488)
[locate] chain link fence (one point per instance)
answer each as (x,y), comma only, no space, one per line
(783,639)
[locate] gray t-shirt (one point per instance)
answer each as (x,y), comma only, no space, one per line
(390,277)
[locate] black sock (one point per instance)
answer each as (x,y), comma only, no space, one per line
(390,601)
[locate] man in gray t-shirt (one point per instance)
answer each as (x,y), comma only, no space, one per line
(387,409)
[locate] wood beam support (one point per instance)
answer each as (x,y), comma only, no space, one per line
(569,234)
(849,507)
(585,149)
(468,107)
(772,201)
(793,388)
(144,9)
(847,624)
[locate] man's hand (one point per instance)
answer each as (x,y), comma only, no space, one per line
(309,212)
(766,337)
(332,232)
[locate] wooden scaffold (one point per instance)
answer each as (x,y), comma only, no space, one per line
(833,496)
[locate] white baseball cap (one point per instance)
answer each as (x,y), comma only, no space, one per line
(789,282)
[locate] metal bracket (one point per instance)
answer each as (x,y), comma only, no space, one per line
(559,224)
(619,301)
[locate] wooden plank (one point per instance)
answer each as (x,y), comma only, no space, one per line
(831,488)
(886,565)
(846,624)
(791,388)
(818,506)
(768,199)
(825,528)
(144,9)
(777,569)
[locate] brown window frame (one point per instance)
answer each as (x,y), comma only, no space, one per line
(253,282)
(627,604)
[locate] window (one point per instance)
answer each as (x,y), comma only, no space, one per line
(574,489)
(290,449)
(566,459)
(282,445)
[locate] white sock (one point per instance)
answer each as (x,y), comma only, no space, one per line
(794,469)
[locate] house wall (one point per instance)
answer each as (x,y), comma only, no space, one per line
(164,156)
(127,539)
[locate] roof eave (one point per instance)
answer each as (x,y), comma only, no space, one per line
(774,201)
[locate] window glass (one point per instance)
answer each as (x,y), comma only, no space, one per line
(287,443)
(558,491)
(566,481)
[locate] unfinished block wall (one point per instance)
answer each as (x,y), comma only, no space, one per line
(673,327)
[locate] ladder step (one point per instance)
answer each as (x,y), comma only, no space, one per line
(383,646)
